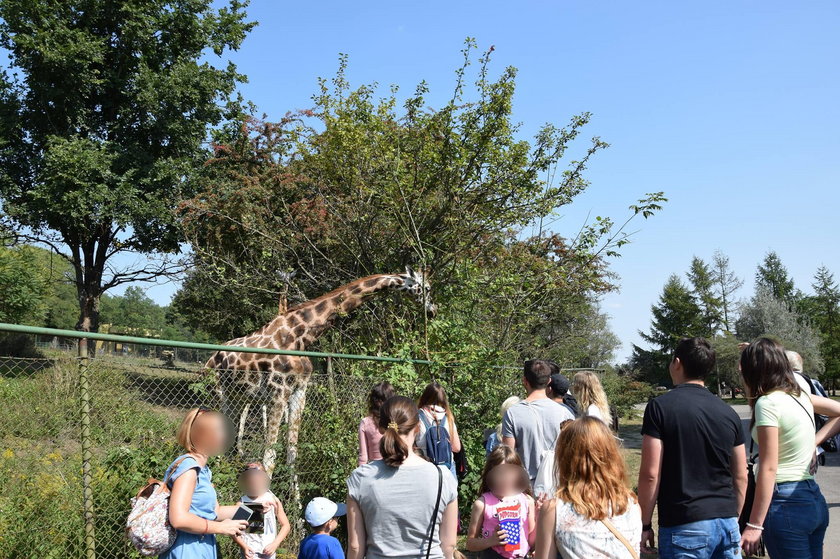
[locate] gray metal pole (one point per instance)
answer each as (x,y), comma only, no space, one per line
(87,455)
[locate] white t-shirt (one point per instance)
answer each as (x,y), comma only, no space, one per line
(257,542)
(578,537)
(594,411)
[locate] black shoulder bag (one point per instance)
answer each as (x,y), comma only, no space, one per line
(435,514)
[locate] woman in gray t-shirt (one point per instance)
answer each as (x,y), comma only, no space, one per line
(390,502)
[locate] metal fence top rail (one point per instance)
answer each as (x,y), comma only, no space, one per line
(37,330)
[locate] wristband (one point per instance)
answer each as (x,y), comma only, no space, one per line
(647,527)
(755,526)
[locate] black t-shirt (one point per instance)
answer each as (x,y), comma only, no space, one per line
(698,433)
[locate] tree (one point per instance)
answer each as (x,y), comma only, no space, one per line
(772,276)
(21,290)
(104,111)
(703,284)
(726,285)
(766,315)
(824,308)
(676,316)
(361,185)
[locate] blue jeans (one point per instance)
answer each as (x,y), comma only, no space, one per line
(718,538)
(796,521)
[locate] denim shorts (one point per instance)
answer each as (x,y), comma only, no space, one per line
(796,521)
(718,538)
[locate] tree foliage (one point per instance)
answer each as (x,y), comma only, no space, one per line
(772,276)
(727,285)
(766,315)
(363,184)
(105,107)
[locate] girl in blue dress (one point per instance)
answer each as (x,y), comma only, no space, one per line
(194,510)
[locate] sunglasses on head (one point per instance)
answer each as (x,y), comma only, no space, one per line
(201,410)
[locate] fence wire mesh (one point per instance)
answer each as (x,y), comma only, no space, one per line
(138,396)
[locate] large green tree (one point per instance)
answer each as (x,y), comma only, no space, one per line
(676,315)
(727,284)
(105,108)
(703,285)
(824,308)
(362,184)
(772,276)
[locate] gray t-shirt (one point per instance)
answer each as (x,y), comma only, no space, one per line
(535,426)
(397,505)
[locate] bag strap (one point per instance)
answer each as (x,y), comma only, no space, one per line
(174,467)
(810,415)
(620,537)
(435,514)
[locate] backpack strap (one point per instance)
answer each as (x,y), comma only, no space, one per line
(174,467)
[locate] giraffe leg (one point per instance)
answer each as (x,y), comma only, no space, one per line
(274,418)
(240,438)
(296,405)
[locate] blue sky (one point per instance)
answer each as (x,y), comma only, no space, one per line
(731,108)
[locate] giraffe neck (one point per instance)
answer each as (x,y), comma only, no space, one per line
(310,320)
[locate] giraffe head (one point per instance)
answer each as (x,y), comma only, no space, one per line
(418,286)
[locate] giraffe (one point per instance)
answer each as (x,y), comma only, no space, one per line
(279,382)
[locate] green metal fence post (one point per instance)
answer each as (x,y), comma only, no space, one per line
(87,455)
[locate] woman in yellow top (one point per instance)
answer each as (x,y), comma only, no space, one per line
(789,508)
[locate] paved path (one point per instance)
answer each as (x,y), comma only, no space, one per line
(828,477)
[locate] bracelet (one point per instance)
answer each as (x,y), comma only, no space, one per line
(755,526)
(647,527)
(206,527)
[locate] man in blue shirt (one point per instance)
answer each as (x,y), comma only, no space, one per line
(322,514)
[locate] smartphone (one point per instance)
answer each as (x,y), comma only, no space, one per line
(243,513)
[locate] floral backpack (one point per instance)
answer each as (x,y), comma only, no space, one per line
(148,525)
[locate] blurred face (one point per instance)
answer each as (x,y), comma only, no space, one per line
(211,433)
(505,480)
(253,483)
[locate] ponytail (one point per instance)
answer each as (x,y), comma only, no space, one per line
(398,416)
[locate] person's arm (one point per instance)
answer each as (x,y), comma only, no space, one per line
(830,429)
(283,528)
(449,529)
(363,450)
(246,551)
(182,519)
(649,477)
(532,523)
(768,464)
(455,439)
(225,512)
(356,534)
(829,408)
(475,542)
(738,467)
(508,431)
(546,546)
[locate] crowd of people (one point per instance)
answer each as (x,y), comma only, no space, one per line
(555,482)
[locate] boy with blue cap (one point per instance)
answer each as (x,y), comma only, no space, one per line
(322,514)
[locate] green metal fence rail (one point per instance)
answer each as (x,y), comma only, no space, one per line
(39,331)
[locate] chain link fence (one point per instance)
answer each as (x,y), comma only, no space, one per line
(80,434)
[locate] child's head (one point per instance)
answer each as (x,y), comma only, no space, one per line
(378,394)
(509,479)
(253,480)
(322,514)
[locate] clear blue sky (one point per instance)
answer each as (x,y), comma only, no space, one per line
(731,108)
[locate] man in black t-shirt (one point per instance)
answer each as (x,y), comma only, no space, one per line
(693,463)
